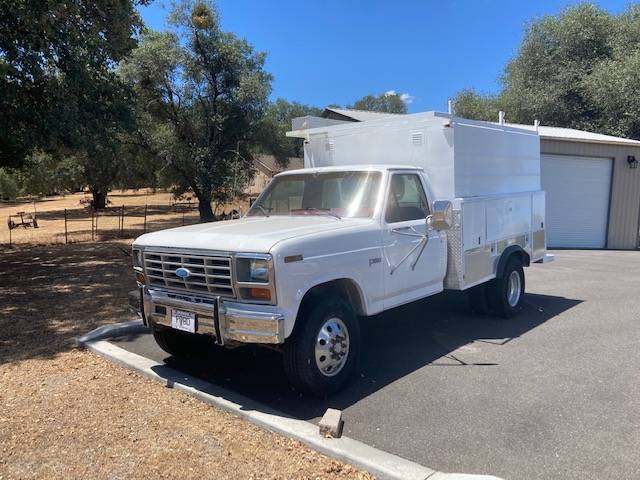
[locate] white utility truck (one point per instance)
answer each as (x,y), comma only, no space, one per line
(384,213)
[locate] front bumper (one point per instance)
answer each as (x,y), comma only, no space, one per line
(217,317)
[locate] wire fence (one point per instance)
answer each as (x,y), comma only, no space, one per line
(79,225)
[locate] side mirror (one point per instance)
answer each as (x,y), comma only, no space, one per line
(442,216)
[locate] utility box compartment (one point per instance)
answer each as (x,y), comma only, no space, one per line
(484,227)
(462,158)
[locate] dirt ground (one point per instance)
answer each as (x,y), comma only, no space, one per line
(50,213)
(65,413)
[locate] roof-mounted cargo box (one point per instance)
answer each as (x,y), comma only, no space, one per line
(462,158)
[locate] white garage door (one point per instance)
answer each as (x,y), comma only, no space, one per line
(577,200)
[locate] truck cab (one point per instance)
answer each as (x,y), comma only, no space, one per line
(320,250)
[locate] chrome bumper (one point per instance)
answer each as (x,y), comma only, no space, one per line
(222,319)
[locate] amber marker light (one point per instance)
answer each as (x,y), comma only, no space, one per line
(260,294)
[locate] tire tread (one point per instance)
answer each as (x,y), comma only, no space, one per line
(496,291)
(299,364)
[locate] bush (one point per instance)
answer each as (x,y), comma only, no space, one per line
(9,188)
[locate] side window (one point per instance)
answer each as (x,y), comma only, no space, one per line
(407,200)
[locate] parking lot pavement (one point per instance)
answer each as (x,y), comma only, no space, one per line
(553,393)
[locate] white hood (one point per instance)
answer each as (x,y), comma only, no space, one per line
(249,234)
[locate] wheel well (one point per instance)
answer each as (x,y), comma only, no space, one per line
(343,288)
(510,252)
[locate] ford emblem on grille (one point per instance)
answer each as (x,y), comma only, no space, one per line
(183,272)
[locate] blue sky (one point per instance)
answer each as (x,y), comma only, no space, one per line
(335,51)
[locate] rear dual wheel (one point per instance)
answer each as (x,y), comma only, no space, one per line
(501,296)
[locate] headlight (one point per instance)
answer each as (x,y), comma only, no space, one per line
(253,270)
(254,278)
(137,257)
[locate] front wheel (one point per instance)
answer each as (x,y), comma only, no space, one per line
(181,345)
(504,295)
(322,353)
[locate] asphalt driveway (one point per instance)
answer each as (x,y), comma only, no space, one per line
(554,393)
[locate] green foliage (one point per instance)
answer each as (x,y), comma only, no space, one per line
(275,123)
(470,104)
(579,69)
(9,187)
(389,102)
(204,92)
(36,176)
(546,79)
(43,174)
(59,88)
(68,175)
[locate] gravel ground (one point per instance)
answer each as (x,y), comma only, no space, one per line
(65,413)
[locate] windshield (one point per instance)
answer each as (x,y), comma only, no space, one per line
(339,194)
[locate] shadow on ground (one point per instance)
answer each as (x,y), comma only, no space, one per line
(395,344)
(50,295)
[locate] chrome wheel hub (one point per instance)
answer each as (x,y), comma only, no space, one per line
(514,288)
(332,347)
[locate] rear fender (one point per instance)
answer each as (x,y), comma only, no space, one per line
(511,251)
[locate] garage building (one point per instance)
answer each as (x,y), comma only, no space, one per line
(592,183)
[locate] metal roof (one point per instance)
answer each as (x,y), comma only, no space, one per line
(351,168)
(573,135)
(545,132)
(359,115)
(270,166)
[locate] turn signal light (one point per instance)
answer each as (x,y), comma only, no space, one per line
(140,276)
(260,294)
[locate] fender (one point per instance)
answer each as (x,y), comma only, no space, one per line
(354,292)
(508,252)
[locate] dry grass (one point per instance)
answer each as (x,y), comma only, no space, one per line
(66,413)
(50,215)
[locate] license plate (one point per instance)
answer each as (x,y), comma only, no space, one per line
(182,320)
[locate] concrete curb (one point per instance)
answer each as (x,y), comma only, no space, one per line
(112,330)
(381,464)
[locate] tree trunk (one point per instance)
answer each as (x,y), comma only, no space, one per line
(99,199)
(206,213)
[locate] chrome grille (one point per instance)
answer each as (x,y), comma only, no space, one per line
(208,274)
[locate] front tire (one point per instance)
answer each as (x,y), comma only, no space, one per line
(322,353)
(505,294)
(181,345)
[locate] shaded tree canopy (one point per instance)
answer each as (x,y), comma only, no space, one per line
(276,123)
(58,87)
(389,102)
(580,69)
(203,92)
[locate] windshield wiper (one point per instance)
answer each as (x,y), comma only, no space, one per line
(264,210)
(319,210)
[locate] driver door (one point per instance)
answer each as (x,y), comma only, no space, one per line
(414,253)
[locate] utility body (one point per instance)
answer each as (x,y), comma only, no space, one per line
(384,213)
